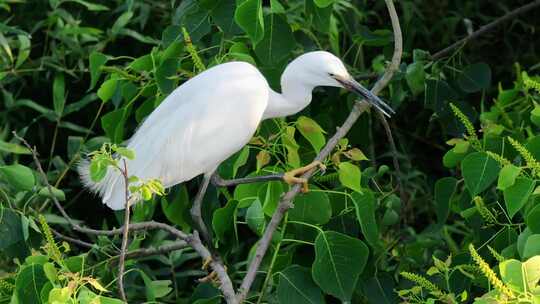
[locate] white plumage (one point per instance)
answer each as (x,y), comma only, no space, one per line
(212,116)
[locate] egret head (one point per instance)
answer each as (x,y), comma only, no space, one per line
(322,68)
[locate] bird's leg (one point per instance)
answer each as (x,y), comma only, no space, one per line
(291,177)
(196,210)
(212,276)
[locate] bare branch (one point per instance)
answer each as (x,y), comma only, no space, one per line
(286,201)
(486,28)
(72,240)
(192,240)
(125,234)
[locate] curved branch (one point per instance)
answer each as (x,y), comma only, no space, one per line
(286,201)
(486,28)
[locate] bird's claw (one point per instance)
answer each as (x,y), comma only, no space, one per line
(212,276)
(291,178)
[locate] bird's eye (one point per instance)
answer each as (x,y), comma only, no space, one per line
(331,75)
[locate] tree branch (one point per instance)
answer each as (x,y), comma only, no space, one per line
(486,28)
(286,201)
(192,240)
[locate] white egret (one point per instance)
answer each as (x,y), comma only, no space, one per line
(213,115)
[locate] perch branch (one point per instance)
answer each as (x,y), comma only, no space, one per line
(125,234)
(486,28)
(286,201)
(192,240)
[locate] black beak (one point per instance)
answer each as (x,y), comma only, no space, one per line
(353,86)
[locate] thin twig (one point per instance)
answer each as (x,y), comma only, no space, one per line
(72,240)
(125,234)
(486,28)
(286,201)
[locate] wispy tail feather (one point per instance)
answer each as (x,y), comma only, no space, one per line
(109,188)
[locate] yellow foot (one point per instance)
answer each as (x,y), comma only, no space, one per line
(291,176)
(212,276)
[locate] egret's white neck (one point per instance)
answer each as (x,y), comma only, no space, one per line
(295,94)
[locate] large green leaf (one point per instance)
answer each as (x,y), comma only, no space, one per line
(255,217)
(479,171)
(475,77)
(29,282)
(269,195)
(97,60)
(444,189)
(531,269)
(177,210)
(312,207)
(365,205)
(163,73)
(512,274)
(339,261)
(278,40)
(507,176)
(518,194)
(350,175)
(224,220)
(416,77)
(249,17)
(11,228)
(296,286)
(18,176)
(532,246)
(533,219)
(311,130)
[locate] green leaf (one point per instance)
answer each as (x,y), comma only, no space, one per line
(474,78)
(323,3)
(507,176)
(479,171)
(296,286)
(270,195)
(278,41)
(339,261)
(517,195)
(312,207)
(98,170)
(349,176)
(512,274)
(532,246)
(29,282)
(60,295)
(59,194)
(142,64)
(13,148)
(107,89)
(533,219)
(249,16)
(50,271)
(535,116)
(416,77)
(163,73)
(312,132)
(90,6)
(531,269)
(24,50)
(97,60)
(444,189)
(255,217)
(113,123)
(365,205)
(224,220)
(18,176)
(10,228)
(59,97)
(125,152)
(121,22)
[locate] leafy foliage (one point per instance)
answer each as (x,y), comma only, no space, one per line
(77,77)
